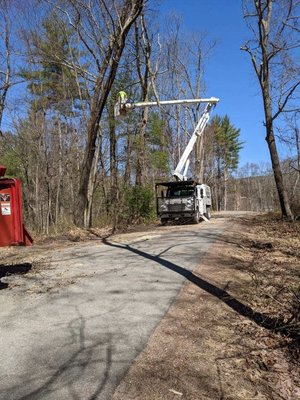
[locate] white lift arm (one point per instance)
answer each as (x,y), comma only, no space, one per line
(212,100)
(183,164)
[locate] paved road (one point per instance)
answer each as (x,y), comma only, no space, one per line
(72,329)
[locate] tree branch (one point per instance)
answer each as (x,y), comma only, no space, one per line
(287,97)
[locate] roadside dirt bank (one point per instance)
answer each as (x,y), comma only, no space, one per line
(228,334)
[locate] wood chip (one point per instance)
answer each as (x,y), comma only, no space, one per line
(175,392)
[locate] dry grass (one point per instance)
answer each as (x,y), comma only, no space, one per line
(269,252)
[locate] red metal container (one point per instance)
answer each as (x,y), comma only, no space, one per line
(12,230)
(2,170)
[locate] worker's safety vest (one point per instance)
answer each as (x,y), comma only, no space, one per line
(122,95)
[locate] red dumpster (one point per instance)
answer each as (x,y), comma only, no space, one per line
(12,230)
(2,170)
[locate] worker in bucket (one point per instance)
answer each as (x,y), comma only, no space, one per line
(122,97)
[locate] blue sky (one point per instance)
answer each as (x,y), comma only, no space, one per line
(229,74)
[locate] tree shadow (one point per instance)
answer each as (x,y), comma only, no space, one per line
(272,324)
(18,269)
(75,366)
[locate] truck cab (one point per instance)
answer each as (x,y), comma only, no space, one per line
(183,200)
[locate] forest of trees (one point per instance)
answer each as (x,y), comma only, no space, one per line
(62,65)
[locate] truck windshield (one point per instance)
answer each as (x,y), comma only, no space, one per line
(180,192)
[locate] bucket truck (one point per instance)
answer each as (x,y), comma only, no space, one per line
(182,198)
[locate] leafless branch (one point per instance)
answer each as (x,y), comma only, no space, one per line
(77,27)
(147,43)
(258,69)
(289,94)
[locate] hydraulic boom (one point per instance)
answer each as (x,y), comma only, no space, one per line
(181,169)
(180,172)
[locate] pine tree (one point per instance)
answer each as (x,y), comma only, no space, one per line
(157,148)
(52,83)
(227,148)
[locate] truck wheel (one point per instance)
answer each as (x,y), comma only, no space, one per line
(163,221)
(197,218)
(207,214)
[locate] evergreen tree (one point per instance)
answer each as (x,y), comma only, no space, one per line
(159,160)
(53,83)
(227,147)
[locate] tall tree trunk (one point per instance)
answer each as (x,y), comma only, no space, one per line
(104,82)
(140,165)
(143,54)
(59,177)
(91,185)
(199,159)
(127,169)
(225,188)
(262,54)
(298,163)
(178,134)
(282,193)
(7,83)
(113,168)
(219,186)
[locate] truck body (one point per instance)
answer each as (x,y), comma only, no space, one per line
(183,200)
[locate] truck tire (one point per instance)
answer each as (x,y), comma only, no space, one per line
(163,221)
(196,217)
(207,214)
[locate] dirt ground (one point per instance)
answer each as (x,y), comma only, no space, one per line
(233,332)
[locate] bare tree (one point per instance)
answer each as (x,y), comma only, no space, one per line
(102,28)
(147,72)
(274,26)
(5,57)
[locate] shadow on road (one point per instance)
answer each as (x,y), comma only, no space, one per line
(273,324)
(75,367)
(13,269)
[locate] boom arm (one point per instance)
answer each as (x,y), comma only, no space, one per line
(183,164)
(212,100)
